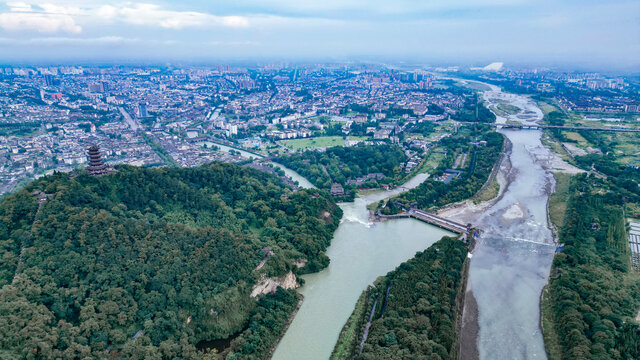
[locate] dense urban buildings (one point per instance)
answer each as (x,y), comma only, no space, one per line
(153,116)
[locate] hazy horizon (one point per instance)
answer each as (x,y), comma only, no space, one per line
(583,34)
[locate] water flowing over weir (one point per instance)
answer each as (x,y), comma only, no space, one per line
(511,261)
(360,252)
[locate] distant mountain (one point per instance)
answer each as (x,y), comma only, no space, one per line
(494,66)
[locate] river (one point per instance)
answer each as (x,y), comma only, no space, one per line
(360,252)
(509,267)
(511,262)
(302,182)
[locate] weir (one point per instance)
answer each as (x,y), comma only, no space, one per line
(430,219)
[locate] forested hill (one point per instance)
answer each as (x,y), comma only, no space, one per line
(145,263)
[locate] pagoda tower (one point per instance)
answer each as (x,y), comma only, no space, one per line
(96,166)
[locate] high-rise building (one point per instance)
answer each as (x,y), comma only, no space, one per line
(49,80)
(142,110)
(96,167)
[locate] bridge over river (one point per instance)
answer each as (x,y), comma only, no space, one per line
(538,127)
(430,219)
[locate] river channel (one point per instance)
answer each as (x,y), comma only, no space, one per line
(508,270)
(360,252)
(511,261)
(302,182)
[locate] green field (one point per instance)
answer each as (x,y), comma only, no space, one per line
(490,192)
(317,142)
(433,161)
(558,200)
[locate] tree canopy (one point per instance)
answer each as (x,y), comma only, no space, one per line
(414,309)
(340,164)
(593,295)
(146,263)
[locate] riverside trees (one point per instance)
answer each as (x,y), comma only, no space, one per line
(437,193)
(417,319)
(339,164)
(593,294)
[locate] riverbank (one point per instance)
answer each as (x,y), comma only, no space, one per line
(286,327)
(469,329)
(414,310)
(466,210)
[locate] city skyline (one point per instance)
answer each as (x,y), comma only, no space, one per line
(585,34)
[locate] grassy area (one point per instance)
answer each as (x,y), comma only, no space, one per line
(555,146)
(576,137)
(317,142)
(505,107)
(551,343)
(628,148)
(547,108)
(348,338)
(432,161)
(474,85)
(558,200)
(489,192)
(632,210)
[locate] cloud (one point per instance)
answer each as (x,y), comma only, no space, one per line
(52,18)
(154,15)
(233,43)
(98,41)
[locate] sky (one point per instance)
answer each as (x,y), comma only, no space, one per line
(603,34)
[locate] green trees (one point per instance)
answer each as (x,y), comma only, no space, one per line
(473,111)
(437,193)
(417,319)
(168,254)
(340,164)
(593,295)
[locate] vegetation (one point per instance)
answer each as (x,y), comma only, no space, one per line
(158,149)
(438,193)
(346,345)
(417,320)
(474,112)
(488,193)
(19,129)
(317,142)
(267,323)
(146,263)
(551,338)
(559,199)
(593,295)
(341,164)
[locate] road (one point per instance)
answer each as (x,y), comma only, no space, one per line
(133,124)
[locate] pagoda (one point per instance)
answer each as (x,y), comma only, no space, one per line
(96,166)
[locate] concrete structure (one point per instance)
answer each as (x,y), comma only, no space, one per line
(634,244)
